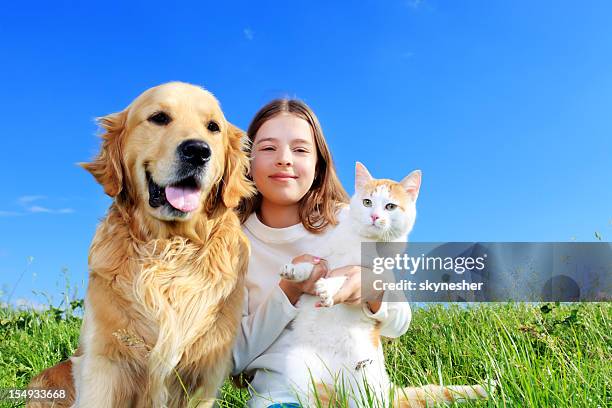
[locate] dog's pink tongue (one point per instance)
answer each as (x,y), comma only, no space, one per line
(183,198)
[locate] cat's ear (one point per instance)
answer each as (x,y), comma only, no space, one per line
(412,183)
(362,176)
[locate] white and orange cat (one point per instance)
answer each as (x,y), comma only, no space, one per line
(338,346)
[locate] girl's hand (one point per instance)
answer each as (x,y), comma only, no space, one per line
(293,290)
(350,292)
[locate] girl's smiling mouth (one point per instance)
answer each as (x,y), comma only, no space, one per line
(282,176)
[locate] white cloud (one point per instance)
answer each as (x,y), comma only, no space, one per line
(248,34)
(9,213)
(414,3)
(27,202)
(23,303)
(24,200)
(38,209)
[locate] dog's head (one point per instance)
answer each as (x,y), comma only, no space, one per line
(172,153)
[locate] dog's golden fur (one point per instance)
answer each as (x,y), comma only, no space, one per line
(165,293)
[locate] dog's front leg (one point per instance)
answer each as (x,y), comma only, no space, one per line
(102,383)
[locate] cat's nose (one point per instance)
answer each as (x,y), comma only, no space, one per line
(374,217)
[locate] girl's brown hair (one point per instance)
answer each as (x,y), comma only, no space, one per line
(319,206)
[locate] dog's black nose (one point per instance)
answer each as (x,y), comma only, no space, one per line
(195,152)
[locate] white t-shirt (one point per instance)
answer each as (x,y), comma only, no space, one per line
(267,310)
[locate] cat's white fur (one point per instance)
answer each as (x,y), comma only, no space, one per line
(338,344)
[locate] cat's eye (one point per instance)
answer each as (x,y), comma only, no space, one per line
(390,206)
(367,202)
(160,118)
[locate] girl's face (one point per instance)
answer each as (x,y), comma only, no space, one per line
(284,157)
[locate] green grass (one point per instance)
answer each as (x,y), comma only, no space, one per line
(547,355)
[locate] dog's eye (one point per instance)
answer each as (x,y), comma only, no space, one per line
(160,118)
(212,126)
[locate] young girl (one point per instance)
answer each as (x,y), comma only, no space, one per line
(299,201)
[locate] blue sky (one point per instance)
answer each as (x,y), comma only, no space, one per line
(504,106)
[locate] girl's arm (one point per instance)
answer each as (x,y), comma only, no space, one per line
(261,328)
(394,317)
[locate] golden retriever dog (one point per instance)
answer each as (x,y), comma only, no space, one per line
(167,264)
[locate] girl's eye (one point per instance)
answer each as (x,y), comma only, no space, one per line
(301,150)
(367,202)
(391,206)
(267,148)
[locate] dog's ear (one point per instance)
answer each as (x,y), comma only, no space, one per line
(107,167)
(235,184)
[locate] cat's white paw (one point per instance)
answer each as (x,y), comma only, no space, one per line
(323,292)
(326,289)
(296,272)
(490,386)
(287,271)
